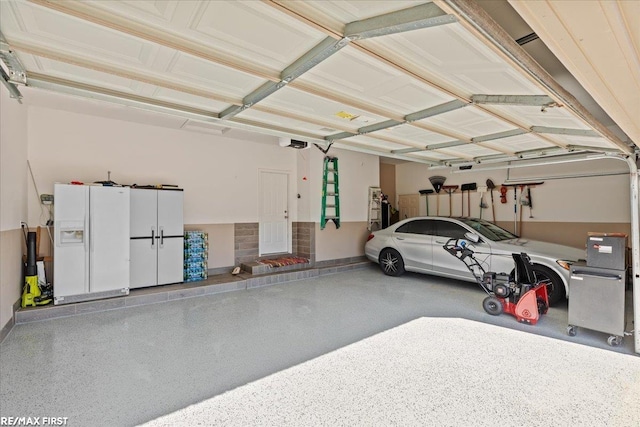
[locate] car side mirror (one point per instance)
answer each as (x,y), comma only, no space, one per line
(472,237)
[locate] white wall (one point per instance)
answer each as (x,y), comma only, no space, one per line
(303,178)
(219,175)
(356,172)
(13,203)
(585,199)
(593,199)
(13,162)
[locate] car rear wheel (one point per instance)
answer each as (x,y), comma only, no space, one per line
(391,262)
(555,287)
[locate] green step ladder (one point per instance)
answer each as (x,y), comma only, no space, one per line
(330,207)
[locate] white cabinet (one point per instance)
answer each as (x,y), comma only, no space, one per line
(91,242)
(157,237)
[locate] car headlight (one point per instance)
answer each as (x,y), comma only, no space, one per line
(564,264)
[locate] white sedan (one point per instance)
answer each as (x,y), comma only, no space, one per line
(415,244)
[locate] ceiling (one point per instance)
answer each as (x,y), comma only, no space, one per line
(409,80)
(599,43)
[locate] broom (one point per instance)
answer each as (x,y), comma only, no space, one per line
(426,194)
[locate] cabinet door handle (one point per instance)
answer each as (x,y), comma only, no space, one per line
(598,276)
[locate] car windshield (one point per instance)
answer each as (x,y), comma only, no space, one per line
(488,230)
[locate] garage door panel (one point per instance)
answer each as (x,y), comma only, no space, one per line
(469,121)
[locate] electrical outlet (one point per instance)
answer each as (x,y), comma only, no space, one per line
(46,199)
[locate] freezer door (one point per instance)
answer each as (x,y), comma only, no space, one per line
(170,260)
(109,226)
(170,217)
(71,241)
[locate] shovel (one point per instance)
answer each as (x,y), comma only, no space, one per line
(482,190)
(426,194)
(468,188)
(491,186)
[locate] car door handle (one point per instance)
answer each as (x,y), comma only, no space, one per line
(440,242)
(399,238)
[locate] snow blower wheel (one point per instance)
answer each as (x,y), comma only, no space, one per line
(493,306)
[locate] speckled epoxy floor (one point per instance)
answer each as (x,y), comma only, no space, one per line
(437,371)
(136,365)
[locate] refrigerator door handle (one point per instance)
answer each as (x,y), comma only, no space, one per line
(85,233)
(91,233)
(153,237)
(161,237)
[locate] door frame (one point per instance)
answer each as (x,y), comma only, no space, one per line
(287,173)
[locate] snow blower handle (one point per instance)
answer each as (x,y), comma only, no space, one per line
(458,248)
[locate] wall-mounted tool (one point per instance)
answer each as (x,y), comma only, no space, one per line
(437,182)
(468,188)
(503,194)
(523,202)
(491,186)
(483,205)
(515,199)
(450,189)
(426,197)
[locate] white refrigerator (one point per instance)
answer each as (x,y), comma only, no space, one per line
(157,237)
(91,242)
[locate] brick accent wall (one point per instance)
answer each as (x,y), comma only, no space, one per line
(247,235)
(246,239)
(304,240)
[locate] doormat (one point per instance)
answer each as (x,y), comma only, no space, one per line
(281,262)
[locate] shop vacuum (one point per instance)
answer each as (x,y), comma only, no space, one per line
(32,294)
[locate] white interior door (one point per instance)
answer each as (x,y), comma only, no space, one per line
(273,212)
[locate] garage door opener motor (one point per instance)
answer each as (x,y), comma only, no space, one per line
(521,296)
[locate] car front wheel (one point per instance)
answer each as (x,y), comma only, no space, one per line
(555,287)
(391,262)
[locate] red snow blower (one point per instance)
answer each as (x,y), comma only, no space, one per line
(521,296)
